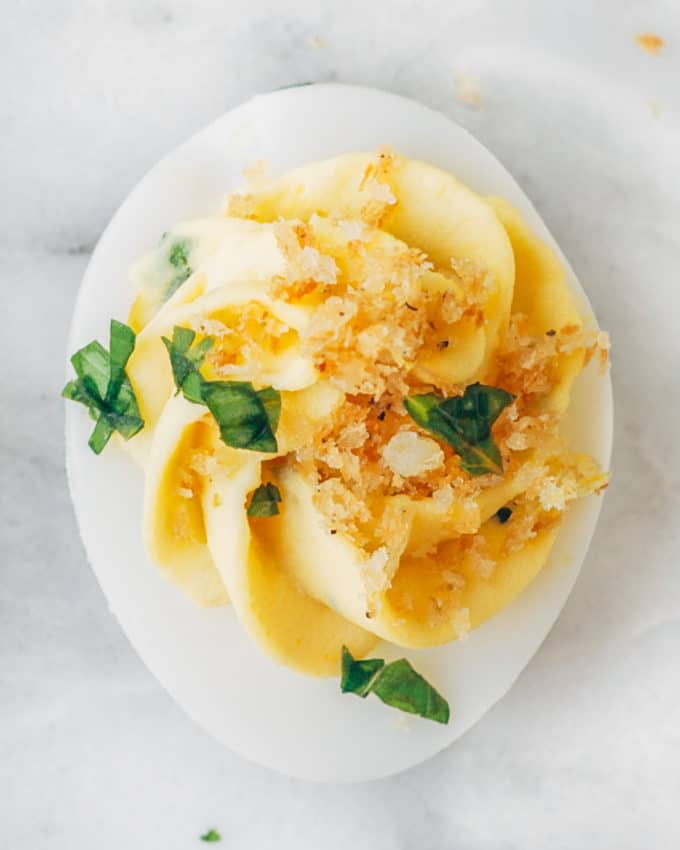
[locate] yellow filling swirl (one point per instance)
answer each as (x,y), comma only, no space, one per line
(349,285)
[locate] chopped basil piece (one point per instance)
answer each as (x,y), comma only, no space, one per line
(104,388)
(359,676)
(397,684)
(187,361)
(103,431)
(121,347)
(464,422)
(264,501)
(178,257)
(247,418)
(504,514)
(271,401)
(211,835)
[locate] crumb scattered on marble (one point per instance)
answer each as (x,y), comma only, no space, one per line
(317,42)
(650,42)
(468,89)
(655,108)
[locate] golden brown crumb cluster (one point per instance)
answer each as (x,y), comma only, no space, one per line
(375,316)
(380,308)
(243,335)
(528,364)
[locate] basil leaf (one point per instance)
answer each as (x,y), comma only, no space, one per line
(397,684)
(211,835)
(178,255)
(102,433)
(246,418)
(464,422)
(481,458)
(121,347)
(271,401)
(198,352)
(400,686)
(187,361)
(476,410)
(127,424)
(192,387)
(264,501)
(179,258)
(358,676)
(103,387)
(92,363)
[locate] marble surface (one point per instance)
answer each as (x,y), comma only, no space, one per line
(585,750)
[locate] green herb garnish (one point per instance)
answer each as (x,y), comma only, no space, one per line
(211,835)
(504,514)
(247,418)
(178,257)
(397,684)
(464,422)
(187,361)
(264,501)
(104,388)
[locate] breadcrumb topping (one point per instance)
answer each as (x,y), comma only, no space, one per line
(376,188)
(245,338)
(408,454)
(305,264)
(379,309)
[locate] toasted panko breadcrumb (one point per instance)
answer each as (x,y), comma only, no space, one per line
(240,205)
(443,497)
(306,267)
(353,231)
(409,454)
(477,555)
(561,479)
(454,581)
(368,333)
(375,579)
(529,432)
(393,531)
(375,184)
(202,462)
(181,524)
(209,327)
(253,332)
(527,363)
(340,506)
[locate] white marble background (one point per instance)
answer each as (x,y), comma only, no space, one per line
(585,750)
